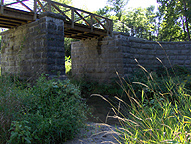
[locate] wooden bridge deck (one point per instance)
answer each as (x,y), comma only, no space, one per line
(79,24)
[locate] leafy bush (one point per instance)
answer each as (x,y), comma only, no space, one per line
(49,112)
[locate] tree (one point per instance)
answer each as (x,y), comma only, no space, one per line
(176,19)
(117,6)
(137,22)
(186,12)
(64,1)
(104,11)
(141,22)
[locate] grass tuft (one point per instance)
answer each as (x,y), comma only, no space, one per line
(159,109)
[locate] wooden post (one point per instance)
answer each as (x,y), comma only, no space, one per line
(35,8)
(2,6)
(91,23)
(49,5)
(150,36)
(72,17)
(110,26)
(107,26)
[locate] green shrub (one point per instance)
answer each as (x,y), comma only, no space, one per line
(49,112)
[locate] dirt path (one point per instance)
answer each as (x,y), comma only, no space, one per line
(100,129)
(96,133)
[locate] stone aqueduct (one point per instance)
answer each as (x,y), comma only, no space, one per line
(38,47)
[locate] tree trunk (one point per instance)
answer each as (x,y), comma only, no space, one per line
(187,28)
(183,24)
(186,22)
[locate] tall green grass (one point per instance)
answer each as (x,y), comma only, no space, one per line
(159,110)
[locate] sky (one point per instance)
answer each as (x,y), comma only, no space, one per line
(93,5)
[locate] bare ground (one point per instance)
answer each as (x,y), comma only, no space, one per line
(96,133)
(99,129)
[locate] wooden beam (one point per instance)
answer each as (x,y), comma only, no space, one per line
(2,6)
(91,23)
(25,6)
(18,14)
(5,26)
(42,8)
(99,22)
(85,29)
(18,1)
(77,37)
(40,4)
(66,6)
(61,12)
(79,34)
(10,23)
(66,11)
(35,9)
(81,17)
(69,32)
(3,18)
(72,17)
(49,5)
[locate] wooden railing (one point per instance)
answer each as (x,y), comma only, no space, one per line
(7,3)
(73,15)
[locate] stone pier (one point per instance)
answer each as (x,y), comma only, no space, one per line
(35,48)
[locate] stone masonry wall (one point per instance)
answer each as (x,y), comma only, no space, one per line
(152,55)
(35,48)
(97,60)
(100,59)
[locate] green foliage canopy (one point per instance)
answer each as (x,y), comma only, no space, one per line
(172,21)
(117,6)
(176,22)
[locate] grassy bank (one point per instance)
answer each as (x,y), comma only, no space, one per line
(154,107)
